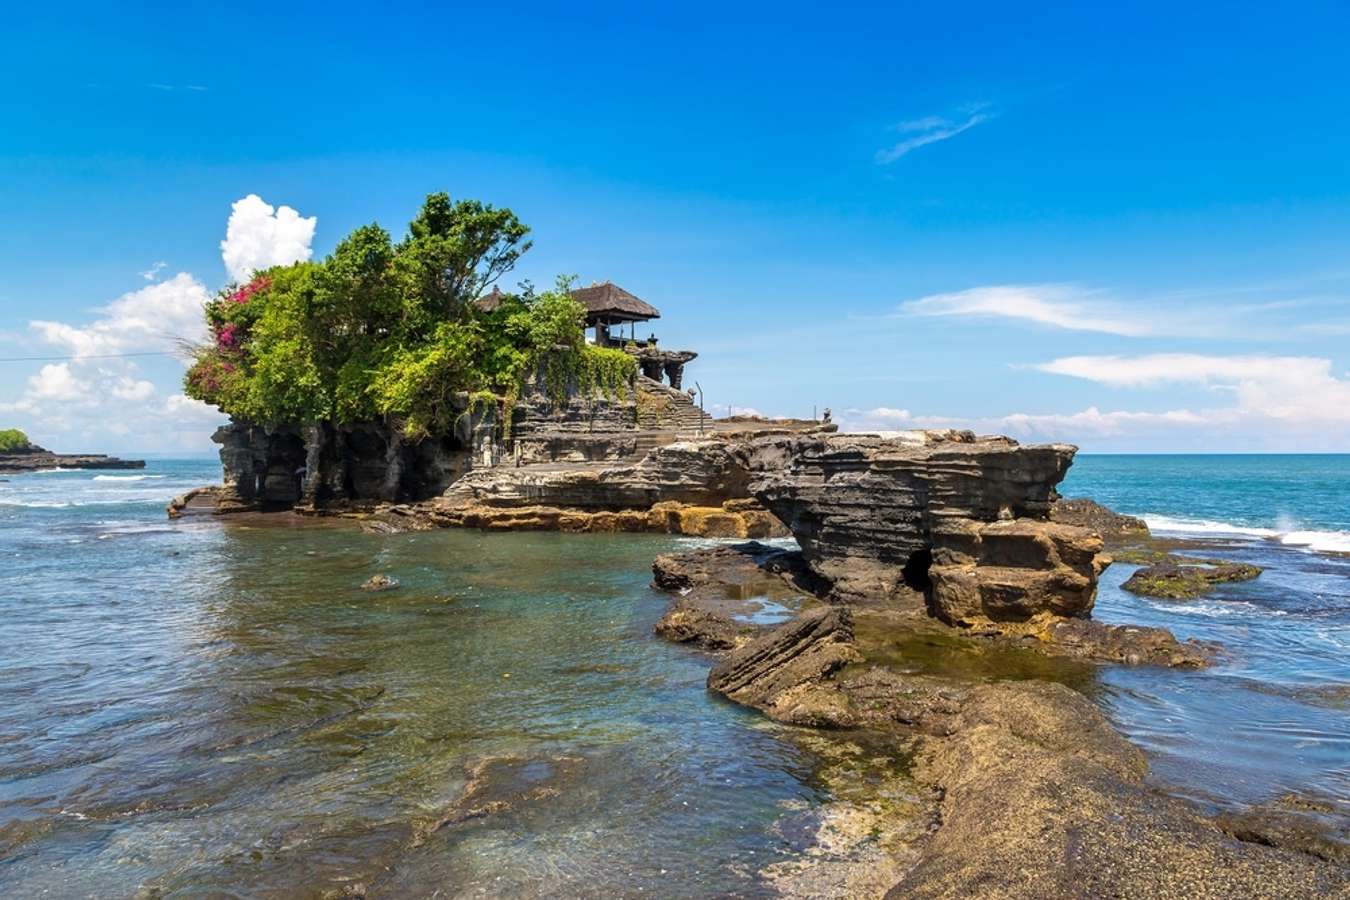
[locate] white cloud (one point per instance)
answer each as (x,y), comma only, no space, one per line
(100,398)
(1296,389)
(1154,370)
(258,236)
(1056,305)
(930,130)
(1268,402)
(150,319)
(56,382)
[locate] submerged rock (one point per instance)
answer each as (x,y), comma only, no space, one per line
(1180,579)
(379,583)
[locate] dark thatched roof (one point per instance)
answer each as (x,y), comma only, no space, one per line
(609,301)
(602,301)
(491,300)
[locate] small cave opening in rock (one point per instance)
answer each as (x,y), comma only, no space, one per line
(286,456)
(915,572)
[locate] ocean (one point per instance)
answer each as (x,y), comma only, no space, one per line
(194,706)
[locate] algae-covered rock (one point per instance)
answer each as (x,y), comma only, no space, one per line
(1175,580)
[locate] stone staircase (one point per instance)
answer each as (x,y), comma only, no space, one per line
(664,416)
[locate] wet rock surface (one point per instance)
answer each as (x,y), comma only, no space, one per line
(1181,578)
(1318,826)
(1042,798)
(1090,514)
(1025,788)
(779,672)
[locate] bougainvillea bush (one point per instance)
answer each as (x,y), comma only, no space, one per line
(384,330)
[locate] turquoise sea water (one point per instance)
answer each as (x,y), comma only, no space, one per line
(190,706)
(1274,716)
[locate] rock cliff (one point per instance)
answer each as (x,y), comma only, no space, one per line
(960,518)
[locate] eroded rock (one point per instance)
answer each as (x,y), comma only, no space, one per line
(780,672)
(961,518)
(1090,514)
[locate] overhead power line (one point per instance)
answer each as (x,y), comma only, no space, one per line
(72,358)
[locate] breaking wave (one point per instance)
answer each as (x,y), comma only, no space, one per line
(1316,541)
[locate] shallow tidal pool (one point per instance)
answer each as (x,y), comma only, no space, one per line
(208,708)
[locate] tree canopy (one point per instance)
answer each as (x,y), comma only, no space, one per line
(13,439)
(384,330)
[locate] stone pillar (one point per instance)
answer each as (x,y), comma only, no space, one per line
(651,368)
(675,372)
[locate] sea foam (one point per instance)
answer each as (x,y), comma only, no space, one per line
(1316,541)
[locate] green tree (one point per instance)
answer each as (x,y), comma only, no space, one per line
(384,330)
(13,439)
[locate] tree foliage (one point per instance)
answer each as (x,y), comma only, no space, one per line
(13,439)
(384,330)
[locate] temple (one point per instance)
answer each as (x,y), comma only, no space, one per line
(534,434)
(608,309)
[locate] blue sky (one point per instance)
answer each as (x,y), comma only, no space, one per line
(1126,228)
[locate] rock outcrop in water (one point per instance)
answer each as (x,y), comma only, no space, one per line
(34,458)
(963,519)
(1029,790)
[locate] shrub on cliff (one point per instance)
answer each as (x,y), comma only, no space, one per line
(385,330)
(13,439)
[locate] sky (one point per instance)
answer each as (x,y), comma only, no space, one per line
(1123,227)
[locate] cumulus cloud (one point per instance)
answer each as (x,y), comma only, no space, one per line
(152,318)
(930,130)
(100,395)
(1055,305)
(56,382)
(259,235)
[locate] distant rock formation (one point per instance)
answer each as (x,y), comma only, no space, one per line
(33,458)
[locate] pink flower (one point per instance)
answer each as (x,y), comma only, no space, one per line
(261,283)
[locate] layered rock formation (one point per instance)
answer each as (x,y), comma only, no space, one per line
(319,464)
(1027,789)
(33,458)
(688,487)
(960,518)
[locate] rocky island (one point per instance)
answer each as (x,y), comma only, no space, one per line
(17,454)
(423,401)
